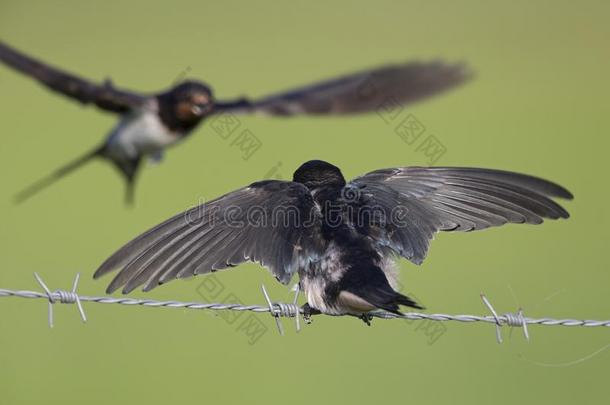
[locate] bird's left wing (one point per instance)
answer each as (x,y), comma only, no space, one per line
(405,207)
(274,223)
(105,96)
(358,92)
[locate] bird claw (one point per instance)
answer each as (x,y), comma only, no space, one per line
(366,318)
(308,311)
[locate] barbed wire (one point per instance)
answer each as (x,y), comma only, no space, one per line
(291,310)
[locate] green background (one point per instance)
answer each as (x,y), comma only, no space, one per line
(539,105)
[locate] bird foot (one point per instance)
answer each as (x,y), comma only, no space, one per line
(308,311)
(366,318)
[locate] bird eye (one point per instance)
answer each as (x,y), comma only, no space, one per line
(196,109)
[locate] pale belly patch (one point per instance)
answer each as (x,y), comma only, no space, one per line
(138,134)
(315,280)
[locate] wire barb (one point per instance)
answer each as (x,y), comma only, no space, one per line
(279,309)
(295,303)
(510,319)
(62,296)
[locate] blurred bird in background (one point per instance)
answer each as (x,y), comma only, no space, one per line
(148,123)
(340,238)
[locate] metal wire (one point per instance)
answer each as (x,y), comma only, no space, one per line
(292,310)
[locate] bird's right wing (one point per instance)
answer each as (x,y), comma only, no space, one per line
(274,223)
(408,205)
(105,96)
(359,92)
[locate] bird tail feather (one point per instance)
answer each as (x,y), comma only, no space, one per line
(392,301)
(58,174)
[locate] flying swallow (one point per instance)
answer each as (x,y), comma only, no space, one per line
(341,238)
(148,123)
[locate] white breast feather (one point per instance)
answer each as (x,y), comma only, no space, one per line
(140,133)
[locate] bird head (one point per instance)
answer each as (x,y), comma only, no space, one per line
(318,173)
(192,101)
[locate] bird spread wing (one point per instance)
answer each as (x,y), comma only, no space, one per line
(360,92)
(274,223)
(416,202)
(105,96)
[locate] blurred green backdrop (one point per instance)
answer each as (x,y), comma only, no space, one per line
(539,105)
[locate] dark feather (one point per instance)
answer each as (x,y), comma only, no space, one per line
(451,199)
(370,284)
(57,175)
(245,225)
(105,96)
(360,92)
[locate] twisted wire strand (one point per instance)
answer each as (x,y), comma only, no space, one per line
(290,310)
(505,319)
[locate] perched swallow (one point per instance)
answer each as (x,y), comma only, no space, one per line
(341,238)
(150,123)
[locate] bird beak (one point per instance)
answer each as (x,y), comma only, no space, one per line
(197,110)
